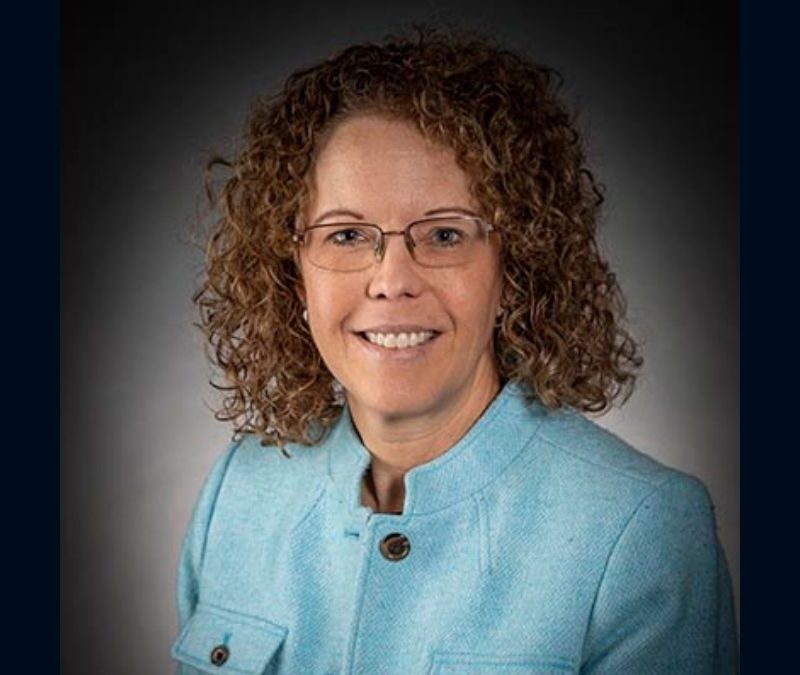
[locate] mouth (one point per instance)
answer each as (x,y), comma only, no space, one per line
(399,342)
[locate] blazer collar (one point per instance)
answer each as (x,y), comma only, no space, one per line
(482,454)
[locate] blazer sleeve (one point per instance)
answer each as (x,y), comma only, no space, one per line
(191,556)
(665,603)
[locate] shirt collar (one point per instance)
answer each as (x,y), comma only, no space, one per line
(482,454)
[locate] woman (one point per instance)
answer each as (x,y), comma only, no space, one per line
(405,296)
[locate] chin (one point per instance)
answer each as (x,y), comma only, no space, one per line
(395,400)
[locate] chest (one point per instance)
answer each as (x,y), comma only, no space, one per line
(481,587)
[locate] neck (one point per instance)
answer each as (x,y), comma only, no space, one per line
(398,447)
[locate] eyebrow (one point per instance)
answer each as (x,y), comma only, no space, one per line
(338,212)
(354,214)
(452,209)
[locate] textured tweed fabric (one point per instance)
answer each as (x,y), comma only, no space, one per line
(539,543)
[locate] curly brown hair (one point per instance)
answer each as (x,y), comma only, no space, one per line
(560,333)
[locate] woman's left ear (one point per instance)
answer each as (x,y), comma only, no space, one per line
(502,302)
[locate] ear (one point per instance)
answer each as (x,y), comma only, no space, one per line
(503,297)
(300,289)
(299,286)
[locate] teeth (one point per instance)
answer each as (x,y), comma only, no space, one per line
(399,340)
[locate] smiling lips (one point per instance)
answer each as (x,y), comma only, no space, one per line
(399,340)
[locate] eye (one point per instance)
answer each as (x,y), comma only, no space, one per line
(346,236)
(445,236)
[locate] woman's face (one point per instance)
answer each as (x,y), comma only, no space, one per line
(383,171)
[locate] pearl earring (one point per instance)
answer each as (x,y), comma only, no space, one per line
(338,393)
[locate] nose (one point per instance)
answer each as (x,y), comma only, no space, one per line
(396,274)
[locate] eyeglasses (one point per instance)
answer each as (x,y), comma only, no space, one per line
(433,242)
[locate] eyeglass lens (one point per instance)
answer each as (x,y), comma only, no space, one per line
(438,242)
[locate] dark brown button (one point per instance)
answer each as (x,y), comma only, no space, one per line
(395,546)
(219,655)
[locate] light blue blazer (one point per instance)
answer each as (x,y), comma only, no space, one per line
(539,543)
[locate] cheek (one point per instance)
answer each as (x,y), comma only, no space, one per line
(329,305)
(475,312)
(480,294)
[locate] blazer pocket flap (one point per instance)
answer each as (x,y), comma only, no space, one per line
(216,640)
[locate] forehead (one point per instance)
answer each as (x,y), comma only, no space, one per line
(376,163)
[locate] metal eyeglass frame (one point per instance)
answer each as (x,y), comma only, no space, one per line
(380,248)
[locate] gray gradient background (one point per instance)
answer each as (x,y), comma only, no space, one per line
(149,94)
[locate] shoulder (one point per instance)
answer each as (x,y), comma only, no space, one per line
(248,477)
(575,438)
(590,470)
(268,463)
(267,470)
